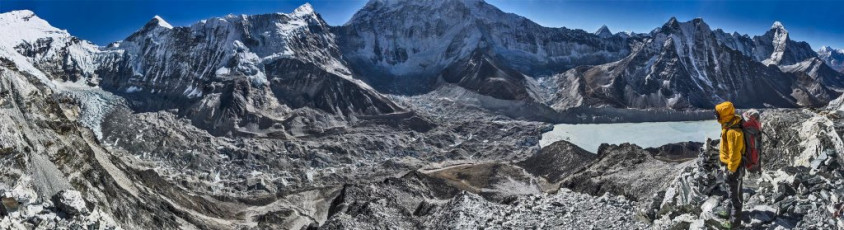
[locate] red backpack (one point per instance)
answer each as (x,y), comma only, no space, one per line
(751,129)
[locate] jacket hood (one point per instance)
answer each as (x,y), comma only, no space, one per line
(726,112)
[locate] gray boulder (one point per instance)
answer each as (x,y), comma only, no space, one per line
(70,202)
(8,205)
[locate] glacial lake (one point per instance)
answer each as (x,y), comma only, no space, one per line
(647,134)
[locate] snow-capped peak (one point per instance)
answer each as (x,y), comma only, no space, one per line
(778,26)
(16,14)
(24,19)
(603,32)
(304,9)
(825,49)
(828,50)
(27,27)
(672,21)
(161,22)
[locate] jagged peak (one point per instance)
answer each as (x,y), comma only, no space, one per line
(604,31)
(778,26)
(603,28)
(160,22)
(675,26)
(22,16)
(825,49)
(26,26)
(670,25)
(672,20)
(830,50)
(304,9)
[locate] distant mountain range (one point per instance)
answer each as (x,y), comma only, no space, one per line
(833,57)
(251,71)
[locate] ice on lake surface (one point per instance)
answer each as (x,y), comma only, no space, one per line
(647,134)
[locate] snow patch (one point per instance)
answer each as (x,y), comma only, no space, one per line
(304,9)
(162,23)
(777,25)
(222,71)
(133,89)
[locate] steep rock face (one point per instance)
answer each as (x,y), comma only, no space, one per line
(816,70)
(392,43)
(775,47)
(833,57)
(783,50)
(45,151)
(603,32)
(683,65)
(487,76)
(240,73)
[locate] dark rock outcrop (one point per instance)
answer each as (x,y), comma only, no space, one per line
(558,161)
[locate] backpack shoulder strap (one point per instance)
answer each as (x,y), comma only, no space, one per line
(738,125)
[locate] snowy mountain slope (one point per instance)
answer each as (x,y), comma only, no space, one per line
(409,47)
(238,71)
(248,61)
(833,57)
(391,43)
(54,52)
(818,71)
(783,50)
(682,65)
(775,47)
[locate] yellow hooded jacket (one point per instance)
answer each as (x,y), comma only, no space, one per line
(732,140)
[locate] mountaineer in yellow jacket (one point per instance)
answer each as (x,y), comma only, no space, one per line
(732,148)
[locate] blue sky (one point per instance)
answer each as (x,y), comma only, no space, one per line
(817,22)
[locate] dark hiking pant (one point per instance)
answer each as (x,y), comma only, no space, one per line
(734,186)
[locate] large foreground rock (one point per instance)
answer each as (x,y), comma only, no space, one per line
(70,202)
